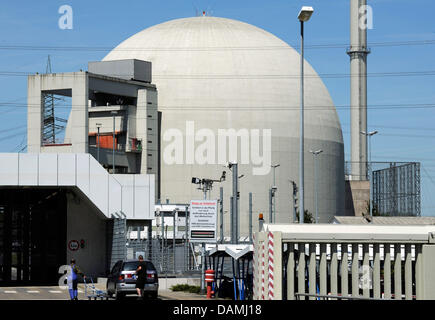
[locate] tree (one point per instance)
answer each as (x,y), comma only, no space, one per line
(375,211)
(308,217)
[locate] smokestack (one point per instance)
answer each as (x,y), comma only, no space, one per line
(358,88)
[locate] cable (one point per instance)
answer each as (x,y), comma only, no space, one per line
(245,108)
(430,179)
(11,129)
(257,76)
(12,135)
(405,135)
(375,126)
(177,49)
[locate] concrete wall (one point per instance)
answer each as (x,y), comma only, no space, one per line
(357,197)
(167,283)
(83,222)
(147,131)
(78,84)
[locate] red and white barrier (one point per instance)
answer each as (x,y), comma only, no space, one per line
(262,271)
(271,265)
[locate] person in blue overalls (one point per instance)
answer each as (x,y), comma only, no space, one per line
(73,279)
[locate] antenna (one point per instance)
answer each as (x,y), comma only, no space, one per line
(210,8)
(196,9)
(48,67)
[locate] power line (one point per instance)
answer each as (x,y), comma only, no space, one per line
(11,129)
(374,126)
(12,135)
(245,108)
(257,76)
(404,135)
(210,48)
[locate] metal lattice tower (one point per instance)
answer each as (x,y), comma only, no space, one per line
(50,126)
(396,190)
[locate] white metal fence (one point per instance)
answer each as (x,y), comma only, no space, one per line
(344,262)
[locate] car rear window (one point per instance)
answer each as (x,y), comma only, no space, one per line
(131,266)
(150,266)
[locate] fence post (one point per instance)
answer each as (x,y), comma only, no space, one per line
(426,274)
(250,216)
(150,240)
(275,265)
(312,270)
(186,244)
(221,211)
(254,266)
(174,229)
(291,272)
(334,269)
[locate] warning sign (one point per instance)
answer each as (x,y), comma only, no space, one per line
(203,221)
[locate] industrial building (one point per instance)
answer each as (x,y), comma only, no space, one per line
(59,201)
(216,74)
(175,101)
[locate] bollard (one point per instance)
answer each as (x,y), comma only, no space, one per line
(209,279)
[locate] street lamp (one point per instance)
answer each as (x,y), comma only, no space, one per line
(369,134)
(98,141)
(304,16)
(274,185)
(315,154)
(305,13)
(114,113)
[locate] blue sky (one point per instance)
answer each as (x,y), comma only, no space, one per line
(406,133)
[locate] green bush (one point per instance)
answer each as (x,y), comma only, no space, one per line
(195,289)
(186,288)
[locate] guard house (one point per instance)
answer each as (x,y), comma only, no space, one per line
(59,200)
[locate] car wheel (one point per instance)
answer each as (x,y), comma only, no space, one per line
(109,292)
(119,295)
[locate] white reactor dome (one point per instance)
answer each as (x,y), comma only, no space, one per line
(215,74)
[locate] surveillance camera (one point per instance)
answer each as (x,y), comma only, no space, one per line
(224,173)
(274,188)
(196,180)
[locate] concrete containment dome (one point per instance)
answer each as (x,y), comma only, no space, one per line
(214,74)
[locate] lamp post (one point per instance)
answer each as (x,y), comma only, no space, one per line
(315,154)
(98,141)
(206,185)
(114,113)
(369,135)
(304,16)
(274,185)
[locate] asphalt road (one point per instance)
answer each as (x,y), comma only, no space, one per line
(43,293)
(57,293)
